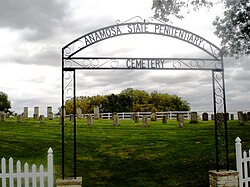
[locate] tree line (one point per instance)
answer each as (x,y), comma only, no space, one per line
(129,100)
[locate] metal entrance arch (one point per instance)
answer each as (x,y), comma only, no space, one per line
(71,62)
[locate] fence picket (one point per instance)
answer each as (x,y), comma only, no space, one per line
(19,177)
(245,168)
(50,168)
(3,163)
(41,171)
(11,177)
(33,175)
(26,174)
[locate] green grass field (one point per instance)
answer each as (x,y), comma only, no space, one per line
(126,155)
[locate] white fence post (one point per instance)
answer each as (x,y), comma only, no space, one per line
(3,163)
(19,178)
(11,178)
(26,174)
(239,160)
(50,168)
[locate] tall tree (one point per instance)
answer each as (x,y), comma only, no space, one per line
(5,103)
(233,28)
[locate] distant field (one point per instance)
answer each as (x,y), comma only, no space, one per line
(126,155)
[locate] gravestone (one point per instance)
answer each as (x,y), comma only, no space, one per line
(113,115)
(193,117)
(25,112)
(245,117)
(136,118)
(101,115)
(50,116)
(248,115)
(165,118)
(240,118)
(115,120)
(79,112)
(96,112)
(133,116)
(145,120)
(41,118)
(49,113)
(232,116)
(19,118)
(212,116)
(36,112)
(180,118)
(205,116)
(35,116)
(2,116)
(153,116)
(89,120)
(227,116)
(71,117)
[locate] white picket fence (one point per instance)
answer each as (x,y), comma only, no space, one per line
(242,164)
(127,115)
(27,178)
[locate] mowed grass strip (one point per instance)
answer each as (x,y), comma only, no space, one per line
(125,155)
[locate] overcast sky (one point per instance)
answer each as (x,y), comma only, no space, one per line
(33,32)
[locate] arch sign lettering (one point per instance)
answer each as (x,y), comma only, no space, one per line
(72,61)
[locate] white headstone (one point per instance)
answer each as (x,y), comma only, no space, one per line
(25,112)
(96,112)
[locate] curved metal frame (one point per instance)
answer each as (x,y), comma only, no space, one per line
(71,62)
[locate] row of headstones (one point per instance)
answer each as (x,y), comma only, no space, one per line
(20,117)
(36,115)
(242,118)
(135,118)
(41,118)
(193,115)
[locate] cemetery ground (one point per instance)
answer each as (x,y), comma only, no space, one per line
(125,155)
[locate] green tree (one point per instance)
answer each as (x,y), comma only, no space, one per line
(5,103)
(129,100)
(112,104)
(177,104)
(233,28)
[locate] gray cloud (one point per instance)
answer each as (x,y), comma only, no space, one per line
(39,17)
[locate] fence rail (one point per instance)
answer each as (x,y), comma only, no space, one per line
(127,115)
(36,178)
(242,164)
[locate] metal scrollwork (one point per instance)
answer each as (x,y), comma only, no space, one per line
(177,64)
(114,63)
(135,19)
(212,49)
(68,85)
(154,20)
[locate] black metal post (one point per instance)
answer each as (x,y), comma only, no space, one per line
(74,77)
(215,125)
(225,114)
(62,113)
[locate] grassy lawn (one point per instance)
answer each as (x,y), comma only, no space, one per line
(126,155)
